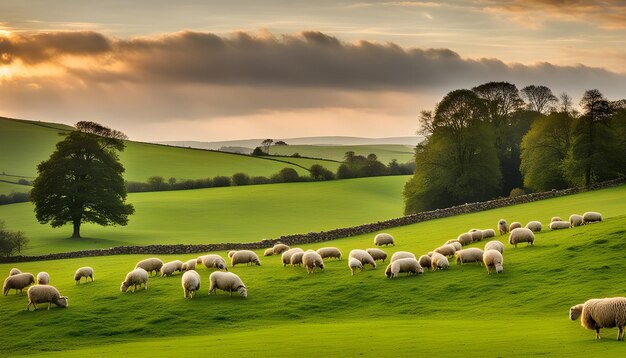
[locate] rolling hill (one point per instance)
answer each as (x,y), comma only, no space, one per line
(385,153)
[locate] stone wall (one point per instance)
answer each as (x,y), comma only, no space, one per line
(313,237)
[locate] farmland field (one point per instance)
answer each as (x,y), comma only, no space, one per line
(385,152)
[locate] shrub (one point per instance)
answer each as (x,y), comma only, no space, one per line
(318,172)
(258,152)
(24,182)
(240,179)
(221,181)
(11,242)
(515,192)
(285,175)
(260,180)
(14,198)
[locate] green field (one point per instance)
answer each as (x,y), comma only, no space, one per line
(385,152)
(462,311)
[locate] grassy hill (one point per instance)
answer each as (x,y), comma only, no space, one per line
(461,311)
(385,152)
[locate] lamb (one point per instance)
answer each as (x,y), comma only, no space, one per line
(151,264)
(364,257)
(326,252)
(591,217)
(15,271)
(601,313)
(245,257)
(488,233)
(408,265)
(438,261)
(227,281)
(377,254)
(465,238)
(280,248)
(514,225)
(555,218)
(191,283)
(477,235)
(424,261)
(575,220)
(401,255)
(43,278)
(296,259)
(354,265)
(383,239)
(189,265)
(86,272)
(502,227)
(534,226)
(231,253)
(18,282)
(214,261)
(495,245)
(286,257)
(492,259)
(311,260)
(469,255)
(269,252)
(169,268)
(556,225)
(446,250)
(521,235)
(136,277)
(45,294)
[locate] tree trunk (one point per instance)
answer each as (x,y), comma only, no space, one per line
(76,234)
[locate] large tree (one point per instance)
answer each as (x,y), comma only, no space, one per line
(82,180)
(540,98)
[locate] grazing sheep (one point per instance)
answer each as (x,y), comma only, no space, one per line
(457,245)
(311,260)
(493,260)
(521,235)
(227,281)
(575,220)
(354,265)
(191,283)
(469,255)
(495,245)
(401,255)
(364,257)
(286,257)
(601,313)
(383,239)
(43,278)
(503,228)
(45,294)
(477,235)
(408,265)
(534,226)
(296,259)
(269,252)
(231,253)
(465,238)
(556,225)
(555,218)
(189,265)
(214,261)
(446,250)
(86,272)
(514,225)
(245,257)
(151,264)
(591,217)
(489,233)
(438,261)
(452,241)
(18,282)
(326,252)
(169,268)
(280,248)
(136,277)
(15,271)
(424,261)
(200,258)
(377,254)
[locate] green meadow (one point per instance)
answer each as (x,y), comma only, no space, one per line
(385,152)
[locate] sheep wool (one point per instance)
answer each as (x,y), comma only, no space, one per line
(86,272)
(227,281)
(269,252)
(476,234)
(556,225)
(534,226)
(489,233)
(136,277)
(424,261)
(503,228)
(311,260)
(191,283)
(43,278)
(446,250)
(280,248)
(214,261)
(575,220)
(354,265)
(189,265)
(555,218)
(168,268)
(408,265)
(492,259)
(45,294)
(495,245)
(18,282)
(383,239)
(601,313)
(591,217)
(15,271)
(457,245)
(465,238)
(329,252)
(471,254)
(438,261)
(514,225)
(401,255)
(296,259)
(231,253)
(377,254)
(286,256)
(150,265)
(521,235)
(363,256)
(245,257)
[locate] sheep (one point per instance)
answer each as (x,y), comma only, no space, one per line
(591,217)
(45,294)
(408,265)
(495,245)
(169,268)
(377,254)
(269,252)
(424,261)
(489,233)
(438,261)
(286,257)
(492,259)
(227,281)
(280,248)
(151,264)
(556,225)
(401,255)
(231,253)
(326,252)
(469,255)
(190,282)
(354,265)
(136,277)
(575,220)
(86,272)
(43,278)
(457,245)
(502,227)
(296,259)
(311,260)
(514,225)
(18,282)
(465,238)
(245,257)
(14,271)
(601,313)
(555,218)
(383,239)
(534,226)
(521,235)
(214,261)
(189,265)
(446,250)
(364,257)
(477,235)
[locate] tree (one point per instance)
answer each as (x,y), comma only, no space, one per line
(540,98)
(240,179)
(82,180)
(257,152)
(502,100)
(286,175)
(11,242)
(280,142)
(318,172)
(267,143)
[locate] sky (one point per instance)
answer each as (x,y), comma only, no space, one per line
(207,70)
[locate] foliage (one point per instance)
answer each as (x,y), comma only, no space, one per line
(318,172)
(267,143)
(515,192)
(11,242)
(14,197)
(540,98)
(240,179)
(220,181)
(258,152)
(285,175)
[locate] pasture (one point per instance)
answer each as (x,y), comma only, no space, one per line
(385,152)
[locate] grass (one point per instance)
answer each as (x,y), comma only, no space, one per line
(7,188)
(461,311)
(385,152)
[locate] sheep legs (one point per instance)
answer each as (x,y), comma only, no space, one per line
(620,334)
(597,333)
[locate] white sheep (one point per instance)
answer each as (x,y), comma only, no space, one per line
(492,259)
(354,265)
(438,261)
(286,256)
(591,217)
(150,265)
(556,225)
(363,256)
(489,233)
(401,255)
(45,294)
(245,257)
(521,234)
(168,268)
(477,234)
(280,248)
(18,282)
(555,218)
(457,245)
(311,260)
(377,254)
(575,220)
(332,252)
(495,245)
(408,265)
(214,261)
(269,252)
(424,261)
(471,254)
(601,313)
(514,225)
(136,277)
(534,226)
(465,238)
(227,281)
(15,271)
(189,265)
(446,250)
(231,253)
(296,259)
(383,239)
(503,228)
(191,283)
(86,272)
(43,278)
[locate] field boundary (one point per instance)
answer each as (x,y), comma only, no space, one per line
(313,237)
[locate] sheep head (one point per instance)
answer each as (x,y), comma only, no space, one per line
(243,292)
(124,287)
(575,312)
(62,302)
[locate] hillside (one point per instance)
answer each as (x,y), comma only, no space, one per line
(385,153)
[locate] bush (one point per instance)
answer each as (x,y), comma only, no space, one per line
(14,198)
(296,155)
(11,242)
(24,182)
(286,175)
(258,152)
(260,180)
(515,192)
(240,179)
(318,172)
(221,181)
